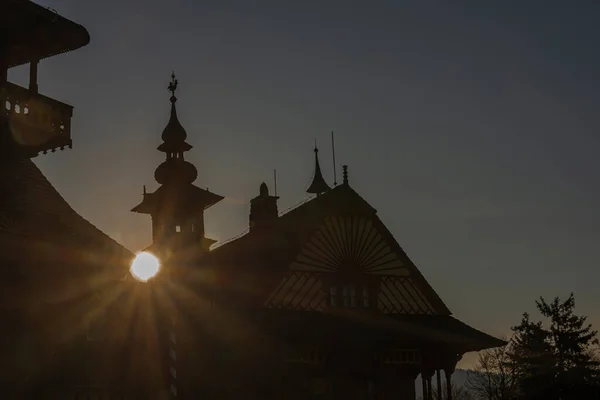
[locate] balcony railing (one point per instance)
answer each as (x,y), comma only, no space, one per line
(37,123)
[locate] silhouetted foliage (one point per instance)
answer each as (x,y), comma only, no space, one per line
(555,361)
(494,376)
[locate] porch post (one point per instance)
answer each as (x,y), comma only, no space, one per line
(439,384)
(3,62)
(427,387)
(450,361)
(33,71)
(3,68)
(449,385)
(173,358)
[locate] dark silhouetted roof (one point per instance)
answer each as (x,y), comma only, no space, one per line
(186,197)
(356,326)
(39,31)
(53,262)
(43,240)
(265,257)
(251,266)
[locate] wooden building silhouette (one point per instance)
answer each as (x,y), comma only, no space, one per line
(320,302)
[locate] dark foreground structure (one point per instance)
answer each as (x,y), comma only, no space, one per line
(55,265)
(319,302)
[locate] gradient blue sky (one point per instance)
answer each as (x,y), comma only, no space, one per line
(472,128)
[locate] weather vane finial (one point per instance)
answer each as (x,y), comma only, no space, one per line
(173,86)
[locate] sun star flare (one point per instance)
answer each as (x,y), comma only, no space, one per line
(145,266)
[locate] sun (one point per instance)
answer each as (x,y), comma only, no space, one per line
(144,266)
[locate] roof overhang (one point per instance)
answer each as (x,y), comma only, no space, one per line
(357,326)
(35,32)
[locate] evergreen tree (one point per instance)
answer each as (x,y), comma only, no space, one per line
(555,361)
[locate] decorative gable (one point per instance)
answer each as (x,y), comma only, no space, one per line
(349,244)
(352,261)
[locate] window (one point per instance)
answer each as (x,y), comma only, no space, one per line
(333,296)
(351,296)
(178,228)
(370,389)
(365,297)
(346,296)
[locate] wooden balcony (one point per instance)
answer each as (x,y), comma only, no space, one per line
(38,124)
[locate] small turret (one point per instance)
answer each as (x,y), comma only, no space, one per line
(263,209)
(318,184)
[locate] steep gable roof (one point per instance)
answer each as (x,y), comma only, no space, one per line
(43,240)
(263,259)
(256,270)
(53,262)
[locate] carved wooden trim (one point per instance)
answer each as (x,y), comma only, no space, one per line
(309,357)
(400,295)
(349,253)
(402,357)
(299,290)
(349,244)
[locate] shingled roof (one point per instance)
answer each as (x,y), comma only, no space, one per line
(249,267)
(268,254)
(51,260)
(42,237)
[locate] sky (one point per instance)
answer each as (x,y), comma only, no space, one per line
(472,127)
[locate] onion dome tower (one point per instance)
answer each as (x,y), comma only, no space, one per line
(318,184)
(177,206)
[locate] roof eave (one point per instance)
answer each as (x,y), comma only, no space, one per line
(61,34)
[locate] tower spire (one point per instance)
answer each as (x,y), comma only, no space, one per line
(174,135)
(318,184)
(173,87)
(175,169)
(177,206)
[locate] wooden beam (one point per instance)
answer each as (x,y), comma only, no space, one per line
(33,72)
(3,63)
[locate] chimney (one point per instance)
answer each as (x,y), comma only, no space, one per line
(263,209)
